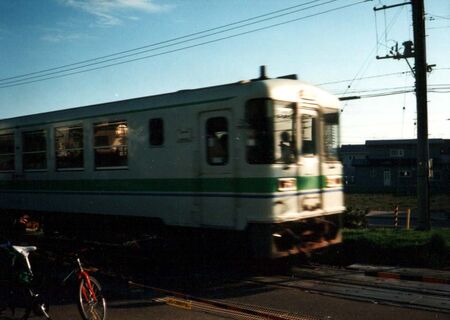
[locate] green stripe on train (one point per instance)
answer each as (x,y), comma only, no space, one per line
(239,185)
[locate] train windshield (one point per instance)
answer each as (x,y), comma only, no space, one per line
(271,132)
(331,135)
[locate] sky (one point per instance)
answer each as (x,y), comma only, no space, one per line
(330,43)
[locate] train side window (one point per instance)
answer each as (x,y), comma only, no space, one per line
(217,150)
(34,153)
(69,147)
(156,131)
(111,145)
(309,136)
(7,150)
(331,136)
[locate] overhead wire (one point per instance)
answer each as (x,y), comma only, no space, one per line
(438,16)
(430,87)
(66,73)
(400,91)
(367,62)
(404,108)
(157,43)
(365,78)
(376,30)
(375,76)
(442,27)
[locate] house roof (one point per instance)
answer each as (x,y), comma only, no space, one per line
(404,142)
(353,148)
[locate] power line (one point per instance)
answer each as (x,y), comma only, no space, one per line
(438,16)
(364,78)
(374,90)
(374,76)
(23,79)
(397,92)
(370,93)
(156,44)
(367,62)
(434,28)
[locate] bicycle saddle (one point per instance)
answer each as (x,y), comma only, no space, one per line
(24,250)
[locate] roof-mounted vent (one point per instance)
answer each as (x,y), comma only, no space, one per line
(289,76)
(262,73)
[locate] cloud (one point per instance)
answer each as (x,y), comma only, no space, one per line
(112,12)
(57,35)
(60,37)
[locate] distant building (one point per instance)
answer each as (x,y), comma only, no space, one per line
(390,166)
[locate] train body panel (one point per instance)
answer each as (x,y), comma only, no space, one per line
(229,157)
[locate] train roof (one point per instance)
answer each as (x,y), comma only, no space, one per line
(279,88)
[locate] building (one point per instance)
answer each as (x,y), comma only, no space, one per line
(390,166)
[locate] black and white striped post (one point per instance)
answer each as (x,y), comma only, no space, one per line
(396,217)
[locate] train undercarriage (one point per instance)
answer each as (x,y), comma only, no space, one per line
(271,240)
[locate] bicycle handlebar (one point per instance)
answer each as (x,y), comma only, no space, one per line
(77,253)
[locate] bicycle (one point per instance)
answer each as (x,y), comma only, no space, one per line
(91,302)
(21,278)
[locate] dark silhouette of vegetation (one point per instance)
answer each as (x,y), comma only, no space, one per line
(391,247)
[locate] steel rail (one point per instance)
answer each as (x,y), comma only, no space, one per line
(306,282)
(349,291)
(379,285)
(188,301)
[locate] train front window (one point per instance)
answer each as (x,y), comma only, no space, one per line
(309,136)
(271,132)
(331,135)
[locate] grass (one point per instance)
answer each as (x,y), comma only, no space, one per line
(390,238)
(387,202)
(388,246)
(427,249)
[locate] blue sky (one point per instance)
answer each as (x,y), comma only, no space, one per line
(335,46)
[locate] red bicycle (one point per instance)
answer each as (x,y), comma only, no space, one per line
(90,299)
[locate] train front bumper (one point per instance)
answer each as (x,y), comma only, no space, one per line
(306,235)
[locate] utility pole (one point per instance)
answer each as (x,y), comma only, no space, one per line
(417,49)
(423,154)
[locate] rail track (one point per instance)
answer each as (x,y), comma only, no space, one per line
(230,309)
(355,285)
(177,284)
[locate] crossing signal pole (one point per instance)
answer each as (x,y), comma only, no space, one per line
(417,50)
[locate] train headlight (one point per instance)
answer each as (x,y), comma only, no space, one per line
(334,181)
(287,184)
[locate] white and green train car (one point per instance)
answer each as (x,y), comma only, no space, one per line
(253,160)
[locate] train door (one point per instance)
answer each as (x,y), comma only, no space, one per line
(217,204)
(309,161)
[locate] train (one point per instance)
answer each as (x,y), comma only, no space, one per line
(256,160)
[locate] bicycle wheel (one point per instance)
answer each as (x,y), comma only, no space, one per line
(91,303)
